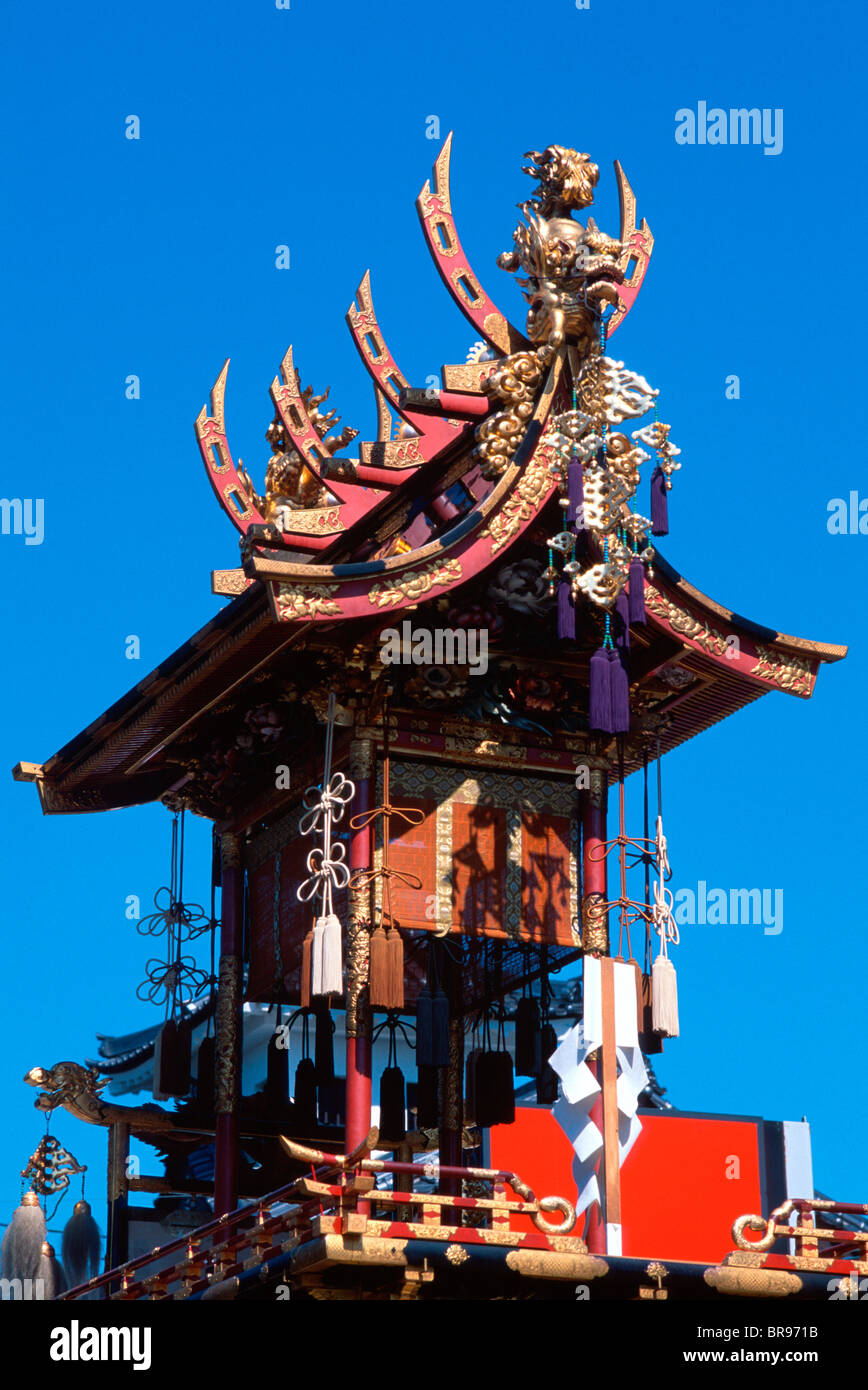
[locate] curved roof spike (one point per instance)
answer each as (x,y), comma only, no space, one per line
(438,225)
(227,480)
(638,243)
(433,431)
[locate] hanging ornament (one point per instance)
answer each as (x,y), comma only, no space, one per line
(304,1092)
(663,978)
(327,870)
(50,1272)
(324,1046)
(80,1245)
(386,960)
(277,1068)
(21,1248)
(393,1101)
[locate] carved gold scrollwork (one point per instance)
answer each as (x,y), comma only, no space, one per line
(595,923)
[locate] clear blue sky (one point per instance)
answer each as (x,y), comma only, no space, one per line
(156,258)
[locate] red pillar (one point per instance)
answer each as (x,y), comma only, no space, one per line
(595,938)
(228,1028)
(358,1101)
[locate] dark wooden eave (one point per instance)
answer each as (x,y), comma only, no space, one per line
(124,757)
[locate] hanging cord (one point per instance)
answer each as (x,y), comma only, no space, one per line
(364,878)
(324,809)
(664,920)
(275,926)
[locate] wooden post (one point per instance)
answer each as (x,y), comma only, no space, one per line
(358,1095)
(228,1028)
(611,1168)
(116,1245)
(595,941)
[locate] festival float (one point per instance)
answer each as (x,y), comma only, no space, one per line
(434,927)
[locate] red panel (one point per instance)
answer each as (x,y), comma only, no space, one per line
(479,867)
(545,878)
(413,851)
(682,1186)
(295,919)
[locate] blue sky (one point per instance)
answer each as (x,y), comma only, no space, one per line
(155,257)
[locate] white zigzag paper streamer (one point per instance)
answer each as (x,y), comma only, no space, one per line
(580,1087)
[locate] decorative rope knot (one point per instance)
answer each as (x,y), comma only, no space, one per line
(329,801)
(327,871)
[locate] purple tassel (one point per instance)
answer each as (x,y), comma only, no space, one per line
(622,622)
(566,611)
(600,706)
(576,494)
(659,504)
(620,695)
(637,592)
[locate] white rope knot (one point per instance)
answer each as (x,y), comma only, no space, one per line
(664,903)
(331,800)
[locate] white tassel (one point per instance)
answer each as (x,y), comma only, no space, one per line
(51,1273)
(21,1250)
(332,981)
(664,997)
(316,953)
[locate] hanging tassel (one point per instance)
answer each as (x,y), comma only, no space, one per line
(277,1072)
(395,968)
(51,1272)
(80,1245)
(504,1084)
(427,1098)
(619,687)
(622,621)
(547,1081)
(576,494)
(471,1067)
(566,612)
(487,1078)
(324,1046)
(664,1003)
(205,1061)
(649,1041)
(306,968)
(393,1107)
(379,990)
(659,503)
(172,1055)
(332,958)
(316,949)
(637,592)
(528,1059)
(600,707)
(425,1028)
(304,1097)
(439,1029)
(21,1248)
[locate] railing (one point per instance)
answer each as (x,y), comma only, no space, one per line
(806,1233)
(221,1250)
